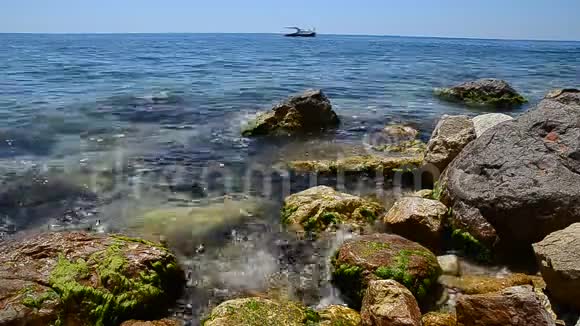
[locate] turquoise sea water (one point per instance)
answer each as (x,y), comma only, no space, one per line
(89,108)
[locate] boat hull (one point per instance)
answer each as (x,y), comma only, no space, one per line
(301,35)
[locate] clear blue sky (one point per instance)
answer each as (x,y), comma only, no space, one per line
(519,19)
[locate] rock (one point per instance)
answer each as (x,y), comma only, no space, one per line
(492,92)
(309,112)
(358,164)
(565,96)
(184,227)
(439,319)
(450,265)
(79,278)
(161,322)
(336,315)
(259,311)
(425,193)
(450,136)
(518,306)
(484,122)
(388,303)
(323,208)
(418,219)
(558,256)
(409,147)
(400,132)
(519,182)
(481,284)
(383,256)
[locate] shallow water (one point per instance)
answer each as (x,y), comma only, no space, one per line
(123,125)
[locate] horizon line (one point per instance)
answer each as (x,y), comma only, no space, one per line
(272,33)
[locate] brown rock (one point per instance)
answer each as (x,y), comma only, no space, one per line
(480,284)
(439,319)
(388,303)
(336,315)
(162,322)
(517,306)
(418,219)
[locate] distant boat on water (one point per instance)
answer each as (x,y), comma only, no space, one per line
(301,32)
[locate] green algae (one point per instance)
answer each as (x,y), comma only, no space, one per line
(34,300)
(470,246)
(258,312)
(438,188)
(117,296)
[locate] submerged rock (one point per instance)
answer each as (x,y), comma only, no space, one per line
(380,257)
(401,132)
(358,164)
(85,279)
(484,122)
(309,112)
(520,182)
(492,92)
(481,284)
(558,256)
(388,303)
(439,319)
(335,315)
(323,208)
(518,306)
(418,219)
(260,311)
(450,136)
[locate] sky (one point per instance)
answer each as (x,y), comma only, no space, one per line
(510,19)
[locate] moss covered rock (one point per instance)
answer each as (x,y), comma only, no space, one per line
(259,311)
(439,319)
(336,315)
(310,111)
(84,279)
(491,92)
(323,208)
(384,256)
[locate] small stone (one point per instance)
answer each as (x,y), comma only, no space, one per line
(439,319)
(450,265)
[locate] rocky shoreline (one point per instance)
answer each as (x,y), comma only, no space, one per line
(498,191)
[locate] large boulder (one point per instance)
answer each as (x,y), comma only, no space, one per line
(517,306)
(520,182)
(558,256)
(418,219)
(487,91)
(324,209)
(381,257)
(310,111)
(260,311)
(388,303)
(484,122)
(85,279)
(450,136)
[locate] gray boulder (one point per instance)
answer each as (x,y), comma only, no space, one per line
(310,111)
(487,91)
(520,182)
(559,258)
(484,122)
(450,136)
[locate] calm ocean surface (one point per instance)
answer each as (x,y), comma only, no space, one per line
(86,108)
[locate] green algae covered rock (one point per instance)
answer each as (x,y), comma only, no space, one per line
(336,315)
(259,311)
(323,208)
(384,256)
(487,91)
(310,111)
(85,279)
(369,163)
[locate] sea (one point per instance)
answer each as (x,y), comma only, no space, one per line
(110,132)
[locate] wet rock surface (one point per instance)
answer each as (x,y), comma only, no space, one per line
(388,303)
(487,91)
(383,256)
(518,306)
(521,180)
(309,112)
(439,319)
(323,208)
(558,257)
(339,315)
(450,136)
(84,279)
